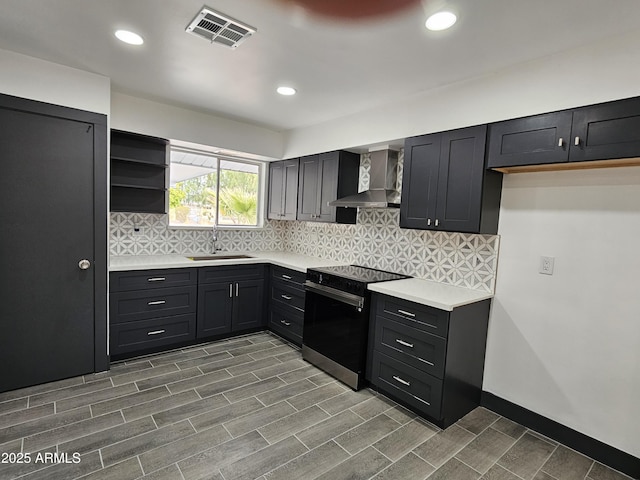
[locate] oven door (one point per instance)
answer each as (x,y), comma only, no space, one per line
(336,325)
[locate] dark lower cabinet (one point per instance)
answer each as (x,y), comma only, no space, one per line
(604,131)
(430,360)
(215,309)
(445,185)
(151,310)
(286,303)
(230,299)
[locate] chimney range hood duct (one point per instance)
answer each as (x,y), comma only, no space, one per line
(381,193)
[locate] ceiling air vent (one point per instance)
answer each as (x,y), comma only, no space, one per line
(219,28)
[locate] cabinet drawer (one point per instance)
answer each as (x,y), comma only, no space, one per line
(284,294)
(147,279)
(143,334)
(287,324)
(414,387)
(425,318)
(412,346)
(292,277)
(141,304)
(232,273)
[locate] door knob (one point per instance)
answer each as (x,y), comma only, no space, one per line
(84,264)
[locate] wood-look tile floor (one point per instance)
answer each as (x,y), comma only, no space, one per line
(251,408)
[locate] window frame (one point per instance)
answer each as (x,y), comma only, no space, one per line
(262,191)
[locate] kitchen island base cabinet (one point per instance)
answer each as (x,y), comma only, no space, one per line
(428,360)
(230,299)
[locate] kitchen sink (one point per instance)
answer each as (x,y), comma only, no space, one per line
(219,257)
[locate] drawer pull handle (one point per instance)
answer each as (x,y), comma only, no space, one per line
(408,314)
(406,344)
(286,297)
(403,382)
(156,279)
(156,332)
(287,277)
(157,302)
(286,324)
(427,362)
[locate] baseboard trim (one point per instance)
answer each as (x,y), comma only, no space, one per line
(603,453)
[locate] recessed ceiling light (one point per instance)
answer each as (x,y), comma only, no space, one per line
(441,21)
(129,37)
(286,90)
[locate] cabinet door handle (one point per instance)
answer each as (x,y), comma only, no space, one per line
(437,222)
(156,332)
(406,344)
(286,324)
(403,382)
(408,314)
(576,142)
(236,289)
(560,142)
(157,302)
(287,277)
(230,290)
(428,222)
(156,279)
(286,297)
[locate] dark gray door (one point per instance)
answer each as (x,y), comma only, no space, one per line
(276,191)
(47,322)
(460,180)
(308,185)
(290,189)
(420,181)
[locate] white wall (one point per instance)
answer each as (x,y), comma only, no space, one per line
(138,115)
(567,346)
(29,77)
(590,74)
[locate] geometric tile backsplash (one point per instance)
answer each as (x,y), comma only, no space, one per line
(376,241)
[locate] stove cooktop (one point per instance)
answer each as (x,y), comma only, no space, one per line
(360,274)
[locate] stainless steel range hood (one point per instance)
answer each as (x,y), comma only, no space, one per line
(381,193)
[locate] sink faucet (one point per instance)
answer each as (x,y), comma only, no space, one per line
(214,238)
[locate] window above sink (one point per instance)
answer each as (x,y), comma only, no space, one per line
(207,189)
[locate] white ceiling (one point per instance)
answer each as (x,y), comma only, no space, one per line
(338,68)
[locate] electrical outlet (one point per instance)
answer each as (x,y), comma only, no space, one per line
(138,231)
(546,265)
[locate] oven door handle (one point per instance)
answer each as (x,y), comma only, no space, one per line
(335,294)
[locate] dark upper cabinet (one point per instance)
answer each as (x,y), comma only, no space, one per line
(606,131)
(598,132)
(445,185)
(323,178)
(283,190)
(138,173)
(530,141)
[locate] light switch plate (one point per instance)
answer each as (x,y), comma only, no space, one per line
(546,265)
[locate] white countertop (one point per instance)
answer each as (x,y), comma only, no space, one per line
(434,294)
(294,261)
